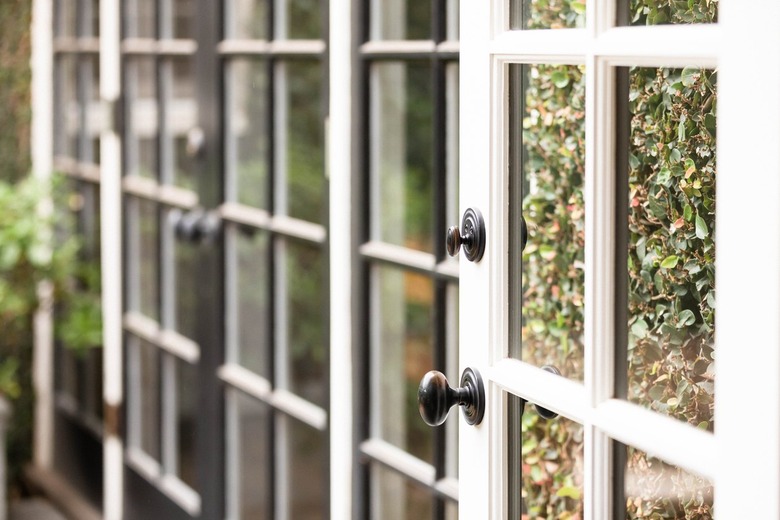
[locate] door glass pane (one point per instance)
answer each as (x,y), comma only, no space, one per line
(247,137)
(401,20)
(249,450)
(546,462)
(547,14)
(66,18)
(670,210)
(394,497)
(143,252)
(246,19)
(658,12)
(181,114)
(141,129)
(246,313)
(140,18)
(402,351)
(547,167)
(178,19)
(301,105)
(655,489)
(144,397)
(68,108)
(187,278)
(304,313)
(303,20)
(304,455)
(89,77)
(186,421)
(401,158)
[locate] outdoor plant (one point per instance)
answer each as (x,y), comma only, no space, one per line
(670,268)
(34,250)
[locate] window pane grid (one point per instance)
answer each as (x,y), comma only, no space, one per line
(412,198)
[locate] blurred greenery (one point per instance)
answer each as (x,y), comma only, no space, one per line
(38,245)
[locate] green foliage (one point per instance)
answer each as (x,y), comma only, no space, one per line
(671,259)
(27,258)
(656,12)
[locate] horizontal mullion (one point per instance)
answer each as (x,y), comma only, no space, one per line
(411,259)
(72,168)
(284,401)
(661,45)
(409,49)
(401,461)
(670,439)
(278,224)
(303,48)
(77,45)
(166,194)
(163,47)
(170,341)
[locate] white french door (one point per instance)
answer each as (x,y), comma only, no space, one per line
(604,125)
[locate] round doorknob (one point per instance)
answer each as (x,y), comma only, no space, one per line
(435,397)
(544,413)
(523,234)
(470,236)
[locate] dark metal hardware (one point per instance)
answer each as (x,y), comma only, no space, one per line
(435,397)
(470,236)
(523,234)
(544,413)
(195,225)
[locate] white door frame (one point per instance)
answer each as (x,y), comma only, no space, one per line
(748,357)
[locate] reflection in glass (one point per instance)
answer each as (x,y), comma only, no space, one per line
(140,18)
(249,450)
(247,137)
(546,178)
(401,20)
(90,118)
(178,19)
(394,497)
(67,107)
(402,352)
(143,262)
(546,14)
(670,206)
(400,154)
(304,319)
(661,12)
(186,269)
(546,461)
(187,422)
(66,18)
(655,489)
(302,160)
(246,312)
(141,103)
(246,19)
(302,20)
(181,117)
(144,397)
(302,459)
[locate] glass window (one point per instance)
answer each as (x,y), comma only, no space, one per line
(670,258)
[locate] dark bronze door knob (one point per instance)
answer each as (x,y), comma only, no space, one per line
(435,397)
(470,236)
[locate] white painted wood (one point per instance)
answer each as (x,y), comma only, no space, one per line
(747,405)
(476,180)
(42,151)
(111,257)
(339,168)
(486,49)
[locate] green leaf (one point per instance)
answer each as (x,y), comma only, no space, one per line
(690,75)
(639,328)
(686,318)
(560,78)
(701,228)
(670,262)
(688,212)
(569,492)
(578,7)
